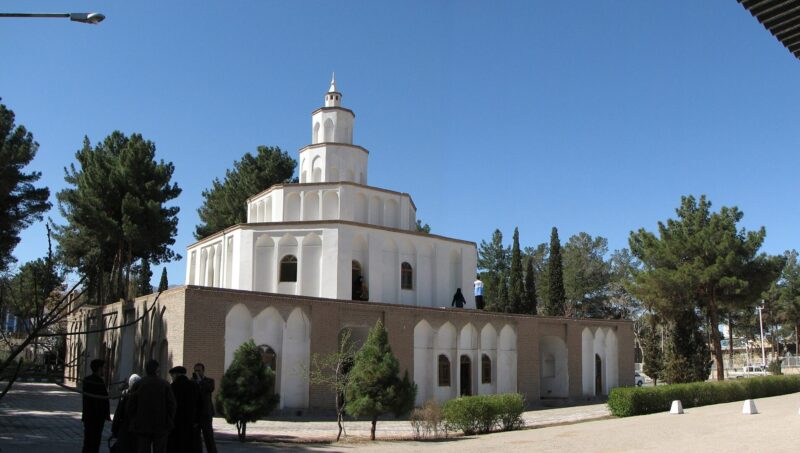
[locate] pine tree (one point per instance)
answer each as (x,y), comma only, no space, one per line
(529,305)
(493,260)
(21,203)
(164,283)
(116,212)
(143,286)
(374,386)
(516,284)
(702,262)
(225,203)
(557,300)
(245,393)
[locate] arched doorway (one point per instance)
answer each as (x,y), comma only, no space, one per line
(357,279)
(598,375)
(465,373)
(270,359)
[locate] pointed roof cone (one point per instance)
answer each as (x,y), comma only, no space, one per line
(749,407)
(332,89)
(677,407)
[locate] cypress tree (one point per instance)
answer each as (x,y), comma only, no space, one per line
(516,285)
(164,283)
(143,286)
(529,305)
(375,387)
(557,302)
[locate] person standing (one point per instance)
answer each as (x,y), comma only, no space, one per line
(478,292)
(206,407)
(151,409)
(96,409)
(121,426)
(458,299)
(184,438)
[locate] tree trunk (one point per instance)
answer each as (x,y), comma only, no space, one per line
(372,431)
(715,340)
(339,424)
(730,340)
(241,429)
(796,339)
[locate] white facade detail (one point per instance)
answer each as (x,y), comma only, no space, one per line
(314,238)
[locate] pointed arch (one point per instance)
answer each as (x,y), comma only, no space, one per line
(296,350)
(292,213)
(238,329)
(311,206)
(330,205)
(312,265)
(423,361)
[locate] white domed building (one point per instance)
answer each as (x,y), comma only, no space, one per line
(316,238)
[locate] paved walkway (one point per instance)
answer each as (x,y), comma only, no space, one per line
(45,417)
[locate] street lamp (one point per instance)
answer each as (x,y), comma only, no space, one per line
(86,18)
(761,325)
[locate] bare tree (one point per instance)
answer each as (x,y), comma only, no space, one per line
(332,370)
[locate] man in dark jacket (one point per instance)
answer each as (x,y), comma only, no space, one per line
(96,409)
(206,406)
(185,438)
(151,409)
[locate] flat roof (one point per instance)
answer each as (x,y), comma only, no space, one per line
(781,18)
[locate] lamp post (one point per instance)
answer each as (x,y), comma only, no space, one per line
(761,326)
(86,18)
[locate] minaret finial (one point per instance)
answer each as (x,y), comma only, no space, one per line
(333,83)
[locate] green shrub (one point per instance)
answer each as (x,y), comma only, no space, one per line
(775,367)
(483,413)
(509,408)
(627,401)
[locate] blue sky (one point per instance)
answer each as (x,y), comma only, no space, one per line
(590,116)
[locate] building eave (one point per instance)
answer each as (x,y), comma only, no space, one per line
(322,224)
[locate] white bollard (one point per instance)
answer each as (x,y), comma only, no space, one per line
(677,407)
(749,407)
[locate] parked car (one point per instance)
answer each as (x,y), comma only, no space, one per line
(638,379)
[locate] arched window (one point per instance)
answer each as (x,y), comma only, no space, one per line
(406,276)
(486,369)
(444,371)
(288,269)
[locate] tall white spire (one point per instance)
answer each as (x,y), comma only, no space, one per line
(332,89)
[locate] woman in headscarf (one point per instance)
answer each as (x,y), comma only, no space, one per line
(120,426)
(458,299)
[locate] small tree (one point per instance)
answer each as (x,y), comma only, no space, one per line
(333,371)
(375,387)
(245,394)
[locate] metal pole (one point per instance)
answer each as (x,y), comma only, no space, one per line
(761,325)
(34,14)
